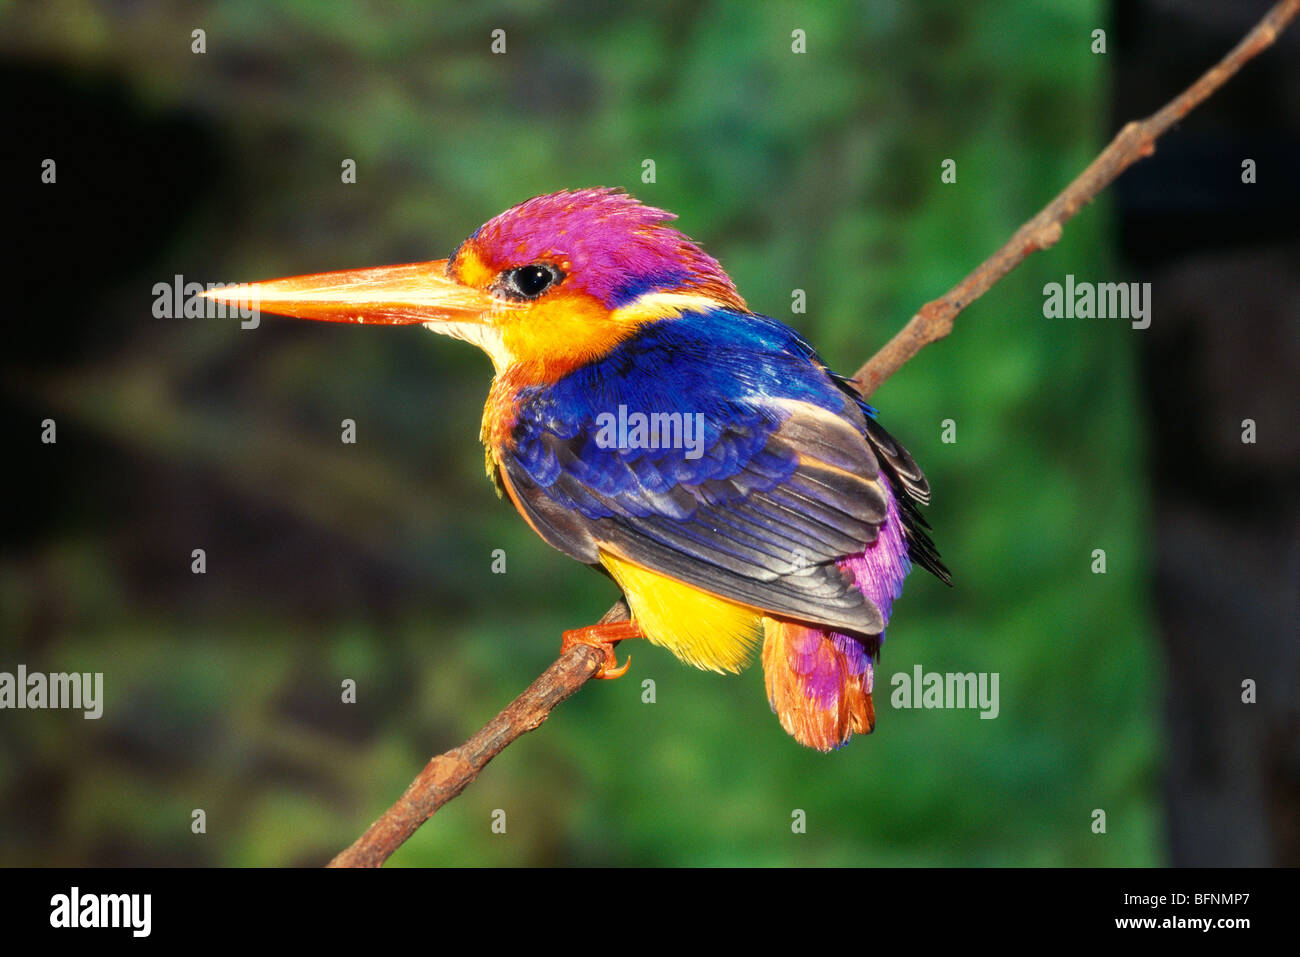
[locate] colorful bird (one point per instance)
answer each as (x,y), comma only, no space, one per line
(645,422)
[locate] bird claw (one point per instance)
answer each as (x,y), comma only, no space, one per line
(603,638)
(606,671)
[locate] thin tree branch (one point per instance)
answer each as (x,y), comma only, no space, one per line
(1135,141)
(447,775)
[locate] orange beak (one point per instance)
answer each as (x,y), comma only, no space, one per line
(386,295)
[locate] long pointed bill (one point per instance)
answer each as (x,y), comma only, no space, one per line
(387,295)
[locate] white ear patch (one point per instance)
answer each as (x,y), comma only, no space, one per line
(662,305)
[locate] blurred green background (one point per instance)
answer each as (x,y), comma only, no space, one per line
(372,561)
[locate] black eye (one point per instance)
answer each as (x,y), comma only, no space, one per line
(529,282)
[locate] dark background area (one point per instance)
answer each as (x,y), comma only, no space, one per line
(372,562)
(1225,259)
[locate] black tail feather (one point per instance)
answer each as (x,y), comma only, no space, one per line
(908,482)
(910,490)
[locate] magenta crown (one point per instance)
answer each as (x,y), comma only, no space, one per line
(617,248)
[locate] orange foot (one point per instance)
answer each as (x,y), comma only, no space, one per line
(603,637)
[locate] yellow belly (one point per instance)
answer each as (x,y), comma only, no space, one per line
(701,629)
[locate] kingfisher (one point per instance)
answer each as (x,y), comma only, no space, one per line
(644,421)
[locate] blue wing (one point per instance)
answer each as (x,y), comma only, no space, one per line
(770,481)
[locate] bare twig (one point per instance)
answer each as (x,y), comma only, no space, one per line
(1134,142)
(447,775)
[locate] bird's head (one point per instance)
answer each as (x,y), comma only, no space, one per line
(543,288)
